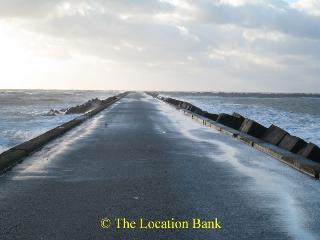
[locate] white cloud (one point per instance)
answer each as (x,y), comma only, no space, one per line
(311,7)
(181,4)
(241,56)
(254,35)
(161,43)
(237,3)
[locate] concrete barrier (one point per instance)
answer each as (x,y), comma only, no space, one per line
(252,128)
(274,135)
(292,143)
(229,120)
(293,160)
(9,157)
(298,162)
(247,139)
(37,142)
(12,156)
(311,151)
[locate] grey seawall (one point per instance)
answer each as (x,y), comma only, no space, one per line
(267,144)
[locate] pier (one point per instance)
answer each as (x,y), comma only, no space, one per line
(140,158)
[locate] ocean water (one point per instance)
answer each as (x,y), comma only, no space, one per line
(299,116)
(24,113)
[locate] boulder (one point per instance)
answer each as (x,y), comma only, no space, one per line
(229,120)
(252,128)
(311,151)
(211,116)
(292,143)
(274,135)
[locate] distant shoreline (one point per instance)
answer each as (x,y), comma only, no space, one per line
(245,94)
(193,93)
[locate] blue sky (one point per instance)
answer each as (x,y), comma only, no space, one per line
(203,45)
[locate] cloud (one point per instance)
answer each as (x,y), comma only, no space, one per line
(246,44)
(311,7)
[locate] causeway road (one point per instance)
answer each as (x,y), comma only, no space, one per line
(143,159)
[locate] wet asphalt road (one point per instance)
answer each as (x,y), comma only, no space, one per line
(129,161)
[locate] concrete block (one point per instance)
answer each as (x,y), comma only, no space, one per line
(274,135)
(311,151)
(173,101)
(229,120)
(292,143)
(211,116)
(184,105)
(252,128)
(10,157)
(196,110)
(238,115)
(190,107)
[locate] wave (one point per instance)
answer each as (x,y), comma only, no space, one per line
(55,112)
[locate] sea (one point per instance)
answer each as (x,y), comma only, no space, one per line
(298,114)
(25,114)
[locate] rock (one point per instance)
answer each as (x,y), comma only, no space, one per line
(292,143)
(311,151)
(211,116)
(229,120)
(274,135)
(252,128)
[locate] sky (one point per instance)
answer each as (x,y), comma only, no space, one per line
(200,45)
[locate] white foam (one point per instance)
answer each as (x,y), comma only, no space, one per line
(38,164)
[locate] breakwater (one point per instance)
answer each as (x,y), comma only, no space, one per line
(271,140)
(16,154)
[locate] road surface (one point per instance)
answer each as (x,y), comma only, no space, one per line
(143,159)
